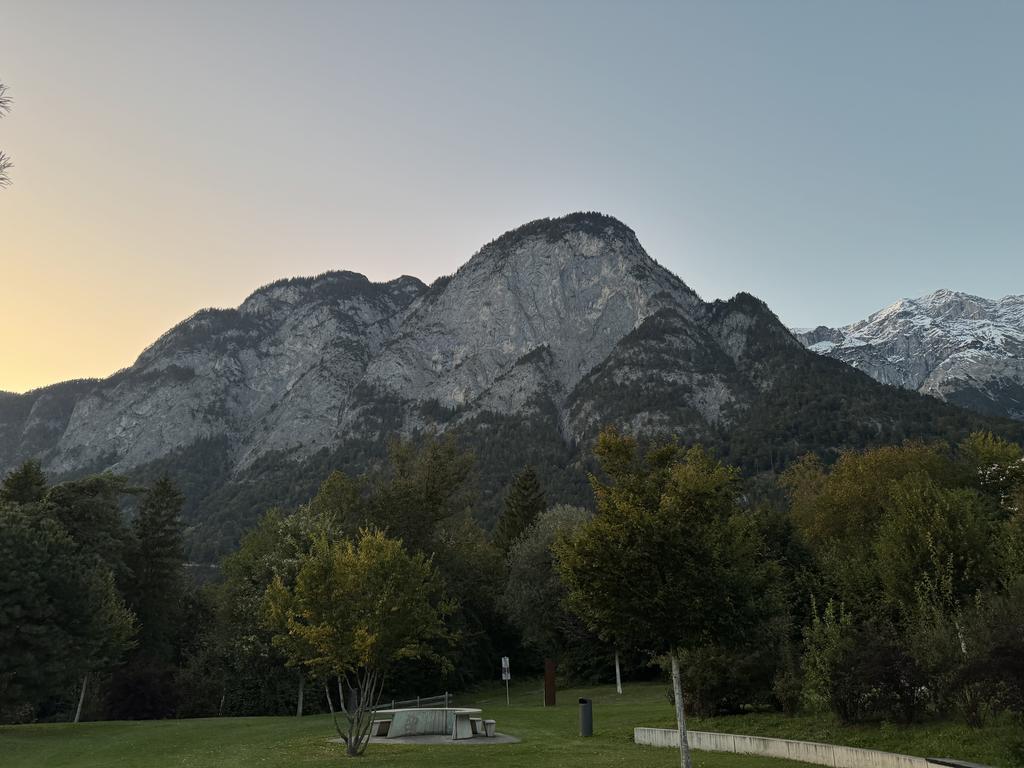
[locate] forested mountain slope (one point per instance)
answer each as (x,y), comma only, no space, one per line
(545,335)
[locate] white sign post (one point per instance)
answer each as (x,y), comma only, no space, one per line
(506,676)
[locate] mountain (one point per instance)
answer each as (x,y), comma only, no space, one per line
(544,336)
(959,348)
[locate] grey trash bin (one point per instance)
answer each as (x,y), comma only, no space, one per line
(586,717)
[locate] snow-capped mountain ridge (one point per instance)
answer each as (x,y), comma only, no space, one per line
(953,345)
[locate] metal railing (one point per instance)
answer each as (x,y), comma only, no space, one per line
(424,701)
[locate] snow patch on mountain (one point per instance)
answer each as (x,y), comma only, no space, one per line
(952,345)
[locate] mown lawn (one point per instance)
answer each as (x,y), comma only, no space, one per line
(549,738)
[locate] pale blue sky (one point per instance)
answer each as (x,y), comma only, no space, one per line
(828,157)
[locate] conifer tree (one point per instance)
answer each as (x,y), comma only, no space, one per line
(157,579)
(24,485)
(523,504)
(61,618)
(145,686)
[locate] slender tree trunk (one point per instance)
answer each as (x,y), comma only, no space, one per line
(81,699)
(330,706)
(677,691)
(618,675)
(302,691)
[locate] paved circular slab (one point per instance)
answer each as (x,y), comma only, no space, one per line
(478,741)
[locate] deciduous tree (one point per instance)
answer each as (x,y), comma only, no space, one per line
(668,563)
(356,609)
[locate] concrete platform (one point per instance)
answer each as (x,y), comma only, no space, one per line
(439,739)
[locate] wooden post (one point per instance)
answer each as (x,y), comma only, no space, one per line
(677,693)
(549,683)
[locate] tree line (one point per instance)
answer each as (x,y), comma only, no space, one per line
(888,585)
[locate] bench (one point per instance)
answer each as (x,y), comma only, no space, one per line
(462,728)
(489,728)
(380,727)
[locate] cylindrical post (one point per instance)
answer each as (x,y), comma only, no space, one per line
(586,717)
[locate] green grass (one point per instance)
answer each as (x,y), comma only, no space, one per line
(994,745)
(549,738)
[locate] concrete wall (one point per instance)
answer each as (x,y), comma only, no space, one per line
(804,751)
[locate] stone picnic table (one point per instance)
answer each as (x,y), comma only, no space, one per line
(459,722)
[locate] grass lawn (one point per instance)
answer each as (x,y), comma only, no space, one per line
(548,738)
(995,745)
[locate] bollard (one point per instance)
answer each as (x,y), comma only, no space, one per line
(586,717)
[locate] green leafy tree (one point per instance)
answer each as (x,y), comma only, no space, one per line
(358,608)
(425,495)
(248,670)
(61,618)
(523,503)
(24,485)
(534,595)
(668,564)
(914,541)
(424,483)
(928,527)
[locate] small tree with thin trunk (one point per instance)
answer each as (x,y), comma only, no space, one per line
(667,564)
(356,609)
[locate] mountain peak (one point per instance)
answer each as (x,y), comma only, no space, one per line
(554,229)
(954,345)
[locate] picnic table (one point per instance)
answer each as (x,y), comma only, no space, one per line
(455,721)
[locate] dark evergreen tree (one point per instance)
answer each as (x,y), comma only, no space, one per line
(24,485)
(146,687)
(90,511)
(157,582)
(61,618)
(523,504)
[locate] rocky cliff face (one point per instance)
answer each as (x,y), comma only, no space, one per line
(273,374)
(525,319)
(957,347)
(546,335)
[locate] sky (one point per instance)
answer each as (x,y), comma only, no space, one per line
(827,157)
